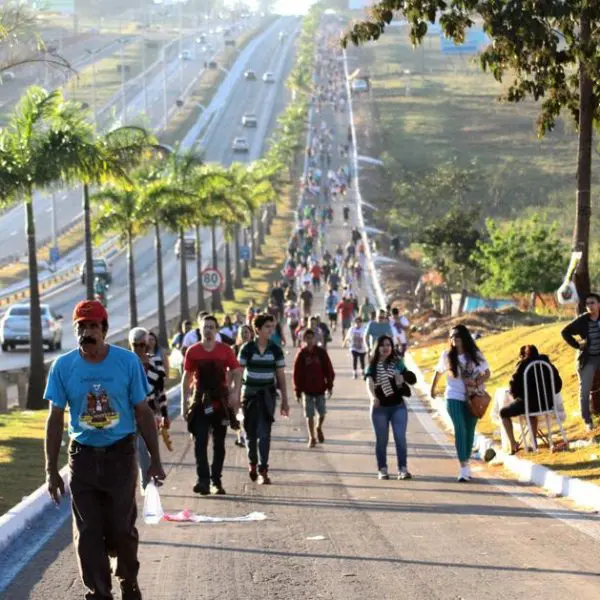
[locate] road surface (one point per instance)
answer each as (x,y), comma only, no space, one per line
(267,100)
(334,531)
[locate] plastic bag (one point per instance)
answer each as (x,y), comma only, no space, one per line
(153,512)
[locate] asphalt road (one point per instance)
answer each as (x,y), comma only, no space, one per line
(267,100)
(179,74)
(333,530)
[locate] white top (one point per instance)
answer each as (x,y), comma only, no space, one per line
(356,337)
(399,328)
(455,386)
(191,338)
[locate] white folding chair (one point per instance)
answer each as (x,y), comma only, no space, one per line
(543,377)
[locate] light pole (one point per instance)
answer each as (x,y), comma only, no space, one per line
(180,48)
(123,95)
(165,97)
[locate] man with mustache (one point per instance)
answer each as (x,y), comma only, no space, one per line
(105,388)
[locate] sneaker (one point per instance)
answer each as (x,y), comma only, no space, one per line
(202,488)
(263,477)
(354,375)
(589,427)
(468,471)
(130,591)
(320,436)
(252,472)
(463,475)
(404,474)
(239,444)
(312,442)
(216,489)
(383,474)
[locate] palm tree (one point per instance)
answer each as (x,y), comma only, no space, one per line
(216,304)
(46,140)
(120,213)
(122,149)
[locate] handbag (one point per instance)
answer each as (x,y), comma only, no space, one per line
(478,403)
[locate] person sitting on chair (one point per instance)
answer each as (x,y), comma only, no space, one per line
(527,355)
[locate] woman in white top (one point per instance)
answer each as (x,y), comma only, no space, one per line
(464,366)
(292,315)
(355,340)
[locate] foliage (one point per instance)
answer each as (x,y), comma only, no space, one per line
(521,257)
(448,244)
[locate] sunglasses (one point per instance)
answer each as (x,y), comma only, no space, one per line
(140,345)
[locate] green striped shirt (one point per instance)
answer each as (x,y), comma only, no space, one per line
(259,369)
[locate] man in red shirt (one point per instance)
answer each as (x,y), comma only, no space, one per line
(313,377)
(216,376)
(316,271)
(346,309)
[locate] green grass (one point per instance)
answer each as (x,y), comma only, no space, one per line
(501,351)
(451,113)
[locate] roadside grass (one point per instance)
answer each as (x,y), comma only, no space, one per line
(446,109)
(501,351)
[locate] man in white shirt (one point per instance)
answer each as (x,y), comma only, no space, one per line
(400,325)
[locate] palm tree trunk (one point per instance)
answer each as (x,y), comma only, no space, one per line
(228,293)
(162,317)
(246,272)
(238,261)
(37,377)
(133,313)
(184,304)
(253,245)
(216,304)
(200,303)
(261,233)
(87,240)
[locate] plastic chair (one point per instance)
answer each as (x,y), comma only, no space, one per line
(543,377)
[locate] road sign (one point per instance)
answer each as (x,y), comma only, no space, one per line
(244,252)
(53,254)
(212,280)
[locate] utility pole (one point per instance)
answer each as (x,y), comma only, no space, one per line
(180,47)
(144,76)
(165,97)
(123,94)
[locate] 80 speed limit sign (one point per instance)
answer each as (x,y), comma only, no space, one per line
(212,279)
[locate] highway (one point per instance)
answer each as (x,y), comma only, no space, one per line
(266,101)
(68,202)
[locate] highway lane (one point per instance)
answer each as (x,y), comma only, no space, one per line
(68,202)
(144,253)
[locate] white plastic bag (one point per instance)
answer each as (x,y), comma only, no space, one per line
(153,512)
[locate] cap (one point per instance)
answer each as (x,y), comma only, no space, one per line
(90,310)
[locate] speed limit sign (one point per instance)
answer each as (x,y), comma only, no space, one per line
(212,279)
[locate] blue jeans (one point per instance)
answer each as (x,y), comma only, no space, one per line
(381,417)
(258,419)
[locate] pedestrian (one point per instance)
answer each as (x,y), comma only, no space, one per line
(346,309)
(105,388)
(250,311)
(264,364)
(587,328)
(331,302)
(227,331)
(355,340)
(157,399)
(464,365)
(316,272)
(517,386)
(245,335)
(375,329)
(157,353)
(313,378)
(306,301)
(387,378)
(215,373)
(400,325)
(177,340)
(278,336)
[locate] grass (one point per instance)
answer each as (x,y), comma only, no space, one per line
(451,113)
(501,351)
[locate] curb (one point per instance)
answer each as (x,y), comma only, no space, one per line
(581,492)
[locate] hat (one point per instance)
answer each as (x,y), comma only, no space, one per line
(90,310)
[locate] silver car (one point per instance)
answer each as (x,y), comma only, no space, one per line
(14,327)
(240,144)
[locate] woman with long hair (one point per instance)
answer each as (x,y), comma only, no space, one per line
(387,378)
(465,367)
(158,355)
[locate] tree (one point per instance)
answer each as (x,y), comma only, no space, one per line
(548,49)
(448,244)
(522,257)
(46,140)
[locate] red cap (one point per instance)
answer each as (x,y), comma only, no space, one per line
(90,310)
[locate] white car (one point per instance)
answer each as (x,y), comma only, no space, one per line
(14,327)
(249,120)
(185,55)
(268,77)
(240,144)
(359,85)
(7,76)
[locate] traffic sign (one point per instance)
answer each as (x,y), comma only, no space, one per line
(244,252)
(53,254)
(212,280)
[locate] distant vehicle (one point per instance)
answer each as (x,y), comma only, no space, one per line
(201,39)
(249,120)
(268,77)
(15,327)
(212,64)
(359,85)
(240,144)
(101,269)
(189,247)
(282,36)
(8,76)
(185,55)
(250,75)
(230,42)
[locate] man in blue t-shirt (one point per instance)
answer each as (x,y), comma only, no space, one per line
(105,388)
